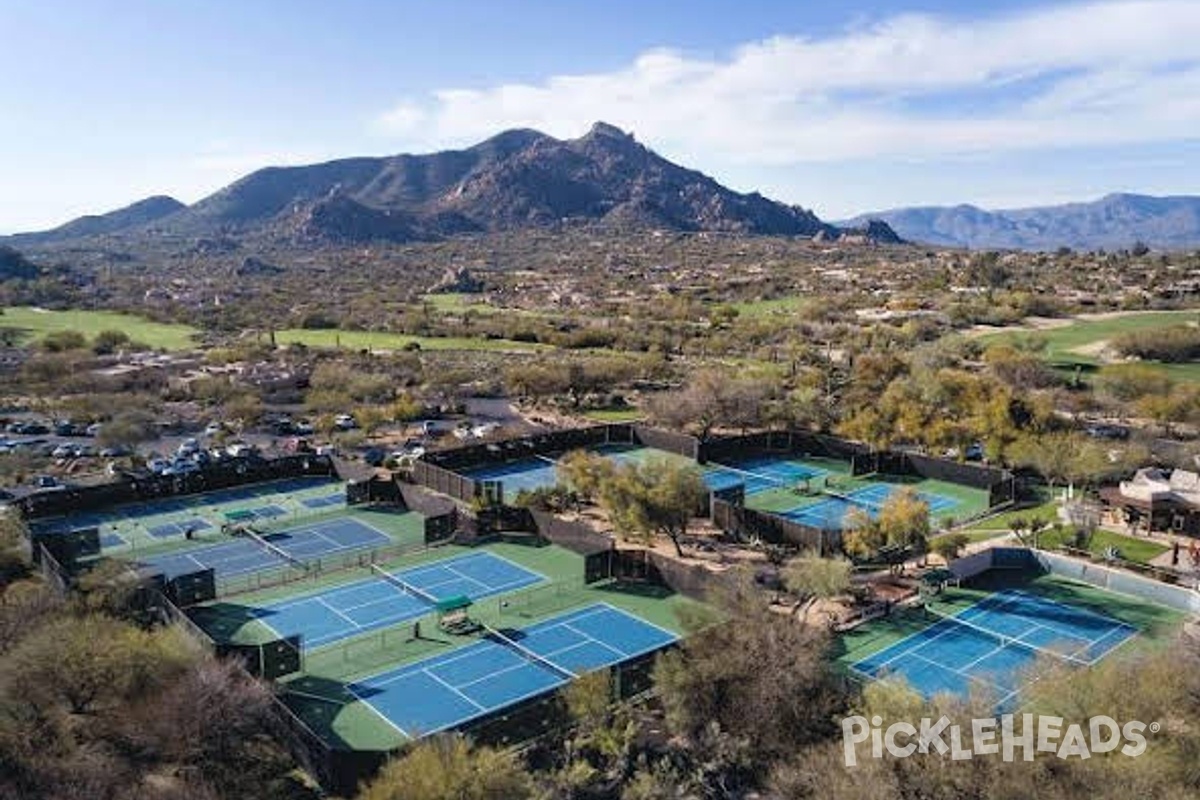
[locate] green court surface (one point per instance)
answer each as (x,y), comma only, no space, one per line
(1155,623)
(968,502)
(154,528)
(157,526)
(320,697)
(152,533)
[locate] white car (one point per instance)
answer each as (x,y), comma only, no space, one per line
(213,429)
(239,449)
(344,422)
(64,451)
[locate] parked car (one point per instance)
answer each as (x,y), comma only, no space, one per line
(47,482)
(65,451)
(158,466)
(213,428)
(375,456)
(92,430)
(188,446)
(239,450)
(182,466)
(344,422)
(115,451)
(302,428)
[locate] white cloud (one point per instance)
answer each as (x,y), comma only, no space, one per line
(911,86)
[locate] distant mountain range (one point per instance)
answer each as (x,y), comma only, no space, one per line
(140,213)
(1112,222)
(517,179)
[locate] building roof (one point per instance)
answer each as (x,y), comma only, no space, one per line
(1152,485)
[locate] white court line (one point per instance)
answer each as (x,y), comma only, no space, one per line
(453,689)
(377,712)
(525,663)
(338,613)
(969,677)
(593,640)
(1120,627)
(412,669)
(511,563)
(467,577)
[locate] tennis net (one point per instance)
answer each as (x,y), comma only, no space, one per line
(852,500)
(955,618)
(551,461)
(404,586)
(258,539)
(756,481)
(526,653)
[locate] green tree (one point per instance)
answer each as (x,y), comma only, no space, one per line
(658,496)
(902,521)
(949,545)
(586,473)
(107,342)
(449,768)
(763,680)
(82,664)
(62,341)
(128,429)
(814,578)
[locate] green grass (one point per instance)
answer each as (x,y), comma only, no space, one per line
(1130,548)
(457,302)
(376,340)
(35,324)
(615,415)
(974,536)
(1062,342)
(1047,511)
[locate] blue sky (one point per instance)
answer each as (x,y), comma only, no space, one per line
(843,107)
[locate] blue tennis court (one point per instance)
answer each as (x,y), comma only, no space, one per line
(240,556)
(759,474)
(323,502)
(169,529)
(994,643)
(830,513)
(452,689)
(524,473)
(111,540)
(269,512)
(376,603)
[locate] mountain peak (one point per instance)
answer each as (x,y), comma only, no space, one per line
(1117,220)
(136,214)
(611,131)
(516,179)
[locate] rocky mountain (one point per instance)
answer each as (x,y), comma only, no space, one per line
(1112,222)
(123,219)
(517,179)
